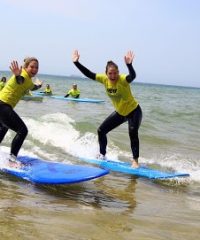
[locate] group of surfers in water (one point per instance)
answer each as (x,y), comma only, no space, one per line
(117,87)
(74,92)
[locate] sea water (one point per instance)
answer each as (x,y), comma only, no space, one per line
(117,206)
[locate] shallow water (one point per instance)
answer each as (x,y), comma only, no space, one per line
(116,206)
(113,207)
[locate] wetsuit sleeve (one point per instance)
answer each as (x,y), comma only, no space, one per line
(36,87)
(67,95)
(132,74)
(19,79)
(77,96)
(85,71)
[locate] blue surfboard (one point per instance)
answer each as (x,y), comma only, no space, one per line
(41,94)
(142,171)
(45,172)
(88,100)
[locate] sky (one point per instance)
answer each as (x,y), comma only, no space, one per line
(163,34)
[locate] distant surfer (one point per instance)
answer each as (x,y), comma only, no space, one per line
(48,90)
(74,92)
(117,87)
(2,83)
(15,89)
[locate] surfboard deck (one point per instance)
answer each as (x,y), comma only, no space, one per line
(88,100)
(45,172)
(142,171)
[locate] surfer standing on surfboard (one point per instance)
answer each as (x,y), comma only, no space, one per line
(117,87)
(16,87)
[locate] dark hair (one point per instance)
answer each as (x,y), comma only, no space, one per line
(111,64)
(3,79)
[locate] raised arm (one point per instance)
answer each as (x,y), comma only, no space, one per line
(84,70)
(128,58)
(16,70)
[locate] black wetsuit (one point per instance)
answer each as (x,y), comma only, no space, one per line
(115,119)
(9,119)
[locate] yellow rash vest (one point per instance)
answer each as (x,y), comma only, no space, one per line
(119,93)
(13,92)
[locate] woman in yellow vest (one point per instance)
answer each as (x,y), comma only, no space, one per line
(16,87)
(74,92)
(117,87)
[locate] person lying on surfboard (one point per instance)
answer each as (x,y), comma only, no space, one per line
(117,87)
(74,92)
(16,87)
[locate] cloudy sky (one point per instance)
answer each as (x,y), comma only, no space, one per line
(164,35)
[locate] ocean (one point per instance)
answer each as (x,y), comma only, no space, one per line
(116,206)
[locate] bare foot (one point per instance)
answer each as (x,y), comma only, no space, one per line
(15,164)
(135,164)
(101,156)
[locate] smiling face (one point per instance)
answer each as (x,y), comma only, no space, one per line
(32,68)
(31,65)
(112,73)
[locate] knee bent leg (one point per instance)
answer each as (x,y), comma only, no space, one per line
(23,131)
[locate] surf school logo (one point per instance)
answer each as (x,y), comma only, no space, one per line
(112,90)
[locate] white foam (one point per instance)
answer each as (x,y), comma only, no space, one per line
(177,163)
(4,154)
(59,130)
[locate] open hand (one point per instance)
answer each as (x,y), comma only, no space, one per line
(16,70)
(129,57)
(75,56)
